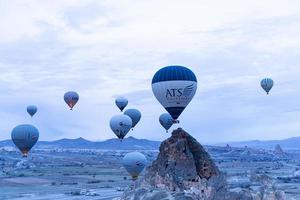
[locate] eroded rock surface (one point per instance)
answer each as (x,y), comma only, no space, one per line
(183,170)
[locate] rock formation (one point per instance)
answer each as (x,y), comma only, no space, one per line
(278,150)
(228,148)
(183,170)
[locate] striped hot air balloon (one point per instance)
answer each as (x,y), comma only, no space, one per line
(71,98)
(174,87)
(267,84)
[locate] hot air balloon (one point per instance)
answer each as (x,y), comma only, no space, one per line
(120,125)
(25,137)
(71,98)
(135,116)
(166,121)
(174,87)
(267,84)
(31,110)
(121,102)
(134,163)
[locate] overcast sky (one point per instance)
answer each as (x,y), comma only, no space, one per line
(103,49)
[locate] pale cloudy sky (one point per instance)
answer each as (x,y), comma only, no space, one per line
(103,49)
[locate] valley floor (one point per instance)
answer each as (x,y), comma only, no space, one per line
(98,174)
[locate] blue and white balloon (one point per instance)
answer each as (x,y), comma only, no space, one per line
(267,84)
(166,121)
(120,125)
(174,87)
(31,110)
(134,163)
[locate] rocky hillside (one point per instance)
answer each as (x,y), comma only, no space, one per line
(183,170)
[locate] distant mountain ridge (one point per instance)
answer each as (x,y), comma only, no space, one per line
(129,143)
(132,143)
(289,143)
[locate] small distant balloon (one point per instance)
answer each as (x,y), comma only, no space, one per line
(134,163)
(120,125)
(121,102)
(166,121)
(135,116)
(25,137)
(71,98)
(174,87)
(267,84)
(31,110)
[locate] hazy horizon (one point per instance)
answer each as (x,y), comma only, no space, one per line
(139,138)
(113,48)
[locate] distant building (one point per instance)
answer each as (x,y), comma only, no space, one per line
(228,147)
(246,151)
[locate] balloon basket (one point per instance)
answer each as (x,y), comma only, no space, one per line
(176,121)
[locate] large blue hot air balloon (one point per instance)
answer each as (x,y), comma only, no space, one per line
(25,137)
(174,87)
(166,121)
(31,110)
(71,98)
(267,84)
(134,163)
(121,102)
(135,116)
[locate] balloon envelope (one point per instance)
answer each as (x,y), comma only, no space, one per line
(121,102)
(135,116)
(166,121)
(120,125)
(267,84)
(31,110)
(25,137)
(134,163)
(71,98)
(174,87)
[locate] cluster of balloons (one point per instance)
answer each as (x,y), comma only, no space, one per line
(133,162)
(122,123)
(25,136)
(173,86)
